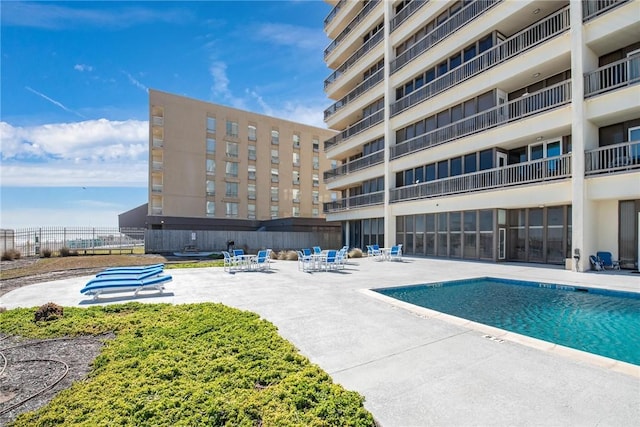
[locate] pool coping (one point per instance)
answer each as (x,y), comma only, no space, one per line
(497,334)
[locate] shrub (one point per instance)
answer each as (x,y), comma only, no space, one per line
(48,312)
(64,251)
(11,254)
(46,253)
(291,256)
(355,253)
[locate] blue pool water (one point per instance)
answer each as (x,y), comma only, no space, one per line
(597,321)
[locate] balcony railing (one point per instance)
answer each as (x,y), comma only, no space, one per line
(350,62)
(518,109)
(354,23)
(156,211)
(158,143)
(156,188)
(405,13)
(157,121)
(519,174)
(448,27)
(356,128)
(333,13)
(156,166)
(362,88)
(613,158)
(355,165)
(359,201)
(625,72)
(526,39)
(594,8)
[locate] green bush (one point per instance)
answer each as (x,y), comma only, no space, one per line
(188,364)
(11,255)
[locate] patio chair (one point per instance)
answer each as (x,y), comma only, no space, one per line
(304,261)
(317,250)
(607,261)
(341,258)
(230,263)
(377,253)
(395,253)
(262,261)
(596,264)
(330,261)
(108,284)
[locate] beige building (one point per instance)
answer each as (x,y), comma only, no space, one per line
(213,166)
(486,129)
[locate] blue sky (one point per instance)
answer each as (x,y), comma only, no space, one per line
(74,91)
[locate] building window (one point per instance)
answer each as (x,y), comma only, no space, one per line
(211,124)
(316,162)
(232,149)
(295,195)
(275,137)
(211,167)
(295,211)
(274,211)
(274,175)
(231,169)
(296,159)
(232,189)
(274,194)
(315,195)
(252,133)
(232,129)
(211,188)
(315,212)
(232,210)
(252,172)
(251,211)
(316,145)
(211,208)
(251,191)
(296,141)
(275,157)
(211,146)
(316,180)
(296,177)
(252,152)
(334,164)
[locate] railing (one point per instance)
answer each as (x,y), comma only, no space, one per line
(625,72)
(526,39)
(158,143)
(333,13)
(405,13)
(355,165)
(354,23)
(594,8)
(519,174)
(35,241)
(157,121)
(525,106)
(359,201)
(156,211)
(363,87)
(364,49)
(448,27)
(356,128)
(156,188)
(612,158)
(156,166)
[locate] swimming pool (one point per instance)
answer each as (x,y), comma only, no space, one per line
(598,321)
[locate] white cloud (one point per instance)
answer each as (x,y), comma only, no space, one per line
(307,112)
(83,67)
(292,35)
(220,88)
(92,152)
(53,101)
(135,82)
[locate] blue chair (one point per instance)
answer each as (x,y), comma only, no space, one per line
(230,262)
(395,253)
(262,261)
(606,258)
(304,261)
(330,261)
(317,250)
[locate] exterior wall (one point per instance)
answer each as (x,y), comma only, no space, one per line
(543,67)
(178,172)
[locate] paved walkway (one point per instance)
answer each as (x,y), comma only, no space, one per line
(413,368)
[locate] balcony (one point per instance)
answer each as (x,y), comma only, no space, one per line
(157,120)
(364,49)
(613,158)
(594,8)
(156,210)
(156,166)
(355,129)
(553,168)
(359,201)
(333,13)
(623,73)
(156,188)
(354,23)
(353,166)
(355,93)
(157,143)
(518,109)
(405,13)
(526,39)
(448,27)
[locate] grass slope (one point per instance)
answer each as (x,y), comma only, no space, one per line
(195,364)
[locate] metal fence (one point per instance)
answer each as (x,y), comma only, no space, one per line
(84,240)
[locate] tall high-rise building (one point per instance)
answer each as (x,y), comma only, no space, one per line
(486,129)
(216,167)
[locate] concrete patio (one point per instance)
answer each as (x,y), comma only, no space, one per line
(413,367)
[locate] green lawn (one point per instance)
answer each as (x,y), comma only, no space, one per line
(187,365)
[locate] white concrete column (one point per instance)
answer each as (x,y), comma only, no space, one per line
(389,136)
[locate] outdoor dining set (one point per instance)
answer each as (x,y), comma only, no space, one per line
(237,260)
(317,259)
(394,253)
